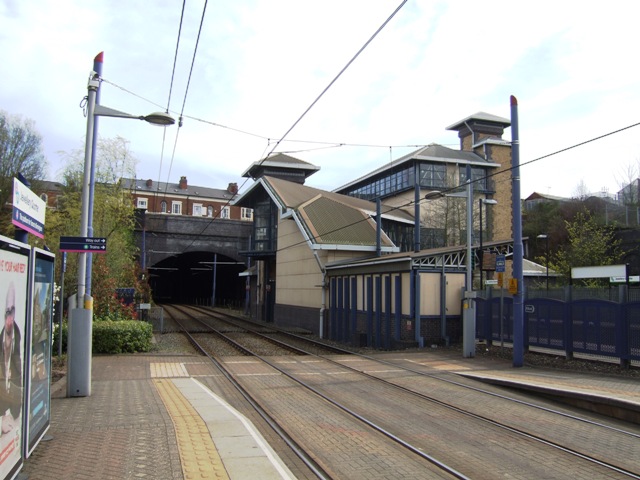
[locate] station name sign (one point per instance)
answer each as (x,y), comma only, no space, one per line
(83,244)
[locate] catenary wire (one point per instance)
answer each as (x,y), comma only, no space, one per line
(173,75)
(186,93)
(307,110)
(346,144)
(451,189)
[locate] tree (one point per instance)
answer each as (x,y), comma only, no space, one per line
(589,244)
(581,191)
(20,152)
(113,218)
(628,183)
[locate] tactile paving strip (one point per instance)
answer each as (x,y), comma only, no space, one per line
(198,454)
(167,370)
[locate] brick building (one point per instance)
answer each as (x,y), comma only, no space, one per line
(184,199)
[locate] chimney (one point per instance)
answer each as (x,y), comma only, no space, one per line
(232,188)
(149,183)
(183,183)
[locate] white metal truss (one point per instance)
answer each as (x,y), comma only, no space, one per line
(456,260)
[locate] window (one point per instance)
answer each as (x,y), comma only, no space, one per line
(433,175)
(246,214)
(197,210)
(225,212)
(142,203)
(163,206)
(176,208)
(209,211)
(264,232)
(478,177)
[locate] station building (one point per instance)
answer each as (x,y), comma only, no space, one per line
(374,262)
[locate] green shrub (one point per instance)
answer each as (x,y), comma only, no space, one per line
(128,336)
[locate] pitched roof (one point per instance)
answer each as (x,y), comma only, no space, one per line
(279,160)
(139,186)
(433,153)
(482,117)
(328,218)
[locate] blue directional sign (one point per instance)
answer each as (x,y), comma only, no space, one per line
(83,244)
(500,263)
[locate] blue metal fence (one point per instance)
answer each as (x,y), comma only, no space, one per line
(587,326)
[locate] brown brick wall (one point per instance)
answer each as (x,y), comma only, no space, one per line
(502,212)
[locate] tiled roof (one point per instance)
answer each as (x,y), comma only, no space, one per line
(139,186)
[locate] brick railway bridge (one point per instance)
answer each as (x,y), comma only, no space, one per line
(193,259)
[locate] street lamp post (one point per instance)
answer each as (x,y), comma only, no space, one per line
(483,201)
(80,318)
(545,237)
(468,304)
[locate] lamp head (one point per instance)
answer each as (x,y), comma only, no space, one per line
(433,195)
(160,118)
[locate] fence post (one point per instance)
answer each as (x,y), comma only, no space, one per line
(622,334)
(568,323)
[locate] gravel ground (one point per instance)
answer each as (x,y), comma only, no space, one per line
(559,362)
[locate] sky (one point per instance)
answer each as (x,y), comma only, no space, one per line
(266,77)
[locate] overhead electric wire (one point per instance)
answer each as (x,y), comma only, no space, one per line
(401,146)
(457,188)
(186,92)
(334,144)
(175,57)
(265,137)
(173,75)
(310,106)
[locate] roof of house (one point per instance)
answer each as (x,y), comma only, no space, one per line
(482,117)
(329,218)
(533,269)
(279,160)
(151,187)
(544,196)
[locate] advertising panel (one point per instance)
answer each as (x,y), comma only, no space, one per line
(39,339)
(14,274)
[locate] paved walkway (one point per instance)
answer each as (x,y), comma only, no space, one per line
(152,417)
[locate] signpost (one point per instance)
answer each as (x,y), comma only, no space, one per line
(83,244)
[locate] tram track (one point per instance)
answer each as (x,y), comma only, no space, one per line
(410,394)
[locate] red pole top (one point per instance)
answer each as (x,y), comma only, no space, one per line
(514,101)
(99,57)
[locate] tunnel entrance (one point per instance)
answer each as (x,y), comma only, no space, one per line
(190,278)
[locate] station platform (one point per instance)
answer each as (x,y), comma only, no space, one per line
(156,417)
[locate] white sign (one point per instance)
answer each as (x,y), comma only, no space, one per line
(491,282)
(599,272)
(28,209)
(632,278)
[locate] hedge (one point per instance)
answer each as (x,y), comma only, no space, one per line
(128,336)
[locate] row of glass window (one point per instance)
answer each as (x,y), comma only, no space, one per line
(431,175)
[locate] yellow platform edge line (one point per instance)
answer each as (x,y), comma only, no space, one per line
(198,454)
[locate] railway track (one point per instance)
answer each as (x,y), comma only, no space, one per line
(422,402)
